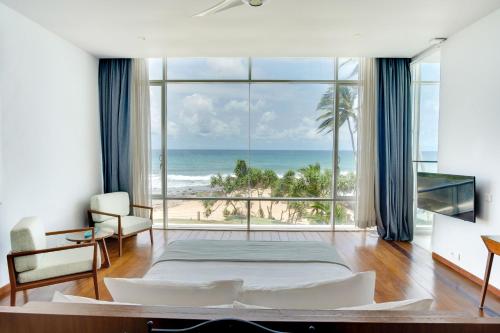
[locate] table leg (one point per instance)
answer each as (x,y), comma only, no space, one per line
(105,256)
(487,272)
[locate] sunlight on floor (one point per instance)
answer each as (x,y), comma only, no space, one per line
(423,238)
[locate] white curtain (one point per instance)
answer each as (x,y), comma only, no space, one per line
(365,204)
(140,135)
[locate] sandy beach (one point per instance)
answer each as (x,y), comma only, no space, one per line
(193,211)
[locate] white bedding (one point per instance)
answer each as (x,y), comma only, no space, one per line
(254,274)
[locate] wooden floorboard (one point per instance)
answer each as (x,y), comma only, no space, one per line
(403,270)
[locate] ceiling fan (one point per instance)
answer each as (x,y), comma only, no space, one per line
(228,4)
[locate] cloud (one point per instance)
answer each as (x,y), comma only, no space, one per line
(200,117)
(268,117)
(259,105)
(172,128)
(155,122)
(220,128)
(197,102)
(228,66)
(267,131)
(308,129)
(236,106)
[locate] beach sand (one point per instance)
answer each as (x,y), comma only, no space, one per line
(193,211)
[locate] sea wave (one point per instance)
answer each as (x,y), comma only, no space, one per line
(181,181)
(189,178)
(187,181)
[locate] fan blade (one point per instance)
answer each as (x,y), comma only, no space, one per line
(224,5)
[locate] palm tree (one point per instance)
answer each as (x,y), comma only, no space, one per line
(269,180)
(317,183)
(256,181)
(241,169)
(347,109)
(321,210)
(228,185)
(286,187)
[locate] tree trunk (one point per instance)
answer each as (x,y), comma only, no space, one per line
(351,133)
(270,210)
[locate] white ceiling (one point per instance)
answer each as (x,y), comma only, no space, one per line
(114,28)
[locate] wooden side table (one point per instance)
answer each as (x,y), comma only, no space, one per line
(100,236)
(493,245)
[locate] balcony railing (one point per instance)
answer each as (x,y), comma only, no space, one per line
(246,218)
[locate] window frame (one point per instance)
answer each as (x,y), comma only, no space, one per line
(334,199)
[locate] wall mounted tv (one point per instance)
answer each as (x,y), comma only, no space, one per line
(449,195)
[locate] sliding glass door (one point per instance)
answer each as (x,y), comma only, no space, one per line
(254,143)
(426,81)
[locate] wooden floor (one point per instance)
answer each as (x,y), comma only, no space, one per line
(403,270)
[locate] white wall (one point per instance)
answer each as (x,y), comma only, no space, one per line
(469,139)
(49,128)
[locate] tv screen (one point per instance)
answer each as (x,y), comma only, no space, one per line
(449,195)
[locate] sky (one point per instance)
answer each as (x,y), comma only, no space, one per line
(429,117)
(276,116)
(217,116)
(429,107)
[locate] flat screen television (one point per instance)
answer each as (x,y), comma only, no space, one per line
(450,195)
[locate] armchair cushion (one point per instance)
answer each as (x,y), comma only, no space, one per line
(27,235)
(114,203)
(130,224)
(60,263)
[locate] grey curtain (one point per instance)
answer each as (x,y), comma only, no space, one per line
(394,174)
(114,106)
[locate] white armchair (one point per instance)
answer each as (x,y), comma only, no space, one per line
(112,210)
(31,264)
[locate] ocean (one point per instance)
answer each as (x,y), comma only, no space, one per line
(190,168)
(194,168)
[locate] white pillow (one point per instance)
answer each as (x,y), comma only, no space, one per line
(358,289)
(160,292)
(59,297)
(415,304)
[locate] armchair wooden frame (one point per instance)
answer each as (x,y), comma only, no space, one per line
(120,236)
(15,286)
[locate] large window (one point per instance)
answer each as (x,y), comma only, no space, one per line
(426,79)
(254,143)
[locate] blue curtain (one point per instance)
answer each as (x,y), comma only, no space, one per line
(114,106)
(394,183)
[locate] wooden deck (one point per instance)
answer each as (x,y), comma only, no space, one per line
(403,270)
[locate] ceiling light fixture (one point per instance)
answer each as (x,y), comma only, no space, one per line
(437,41)
(255,3)
(228,4)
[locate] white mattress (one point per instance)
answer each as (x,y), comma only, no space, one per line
(254,274)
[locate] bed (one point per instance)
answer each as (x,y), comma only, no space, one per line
(257,263)
(264,274)
(299,275)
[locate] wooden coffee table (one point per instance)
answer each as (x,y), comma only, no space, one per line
(100,236)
